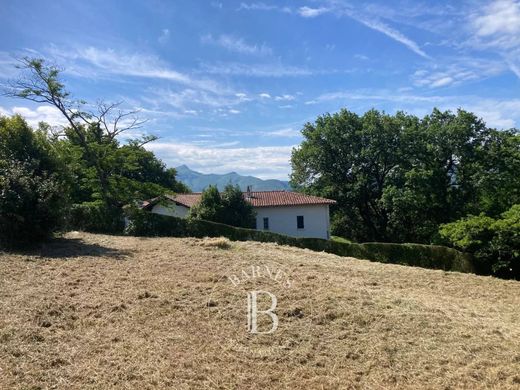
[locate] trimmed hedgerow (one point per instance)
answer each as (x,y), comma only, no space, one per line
(96,217)
(142,223)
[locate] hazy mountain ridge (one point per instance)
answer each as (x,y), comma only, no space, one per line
(197,181)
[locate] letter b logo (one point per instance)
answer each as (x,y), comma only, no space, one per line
(252,312)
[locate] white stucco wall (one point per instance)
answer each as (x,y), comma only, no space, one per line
(173,210)
(282,220)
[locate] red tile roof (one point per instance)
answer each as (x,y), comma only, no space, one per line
(261,199)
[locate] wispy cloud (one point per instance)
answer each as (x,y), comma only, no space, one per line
(164,37)
(262,161)
(500,113)
(285,97)
(259,6)
(308,12)
(188,99)
(7,65)
(391,33)
(288,132)
(91,62)
(236,44)
(499,18)
(255,70)
(456,71)
(497,27)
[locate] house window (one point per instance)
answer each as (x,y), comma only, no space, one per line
(299,222)
(266,223)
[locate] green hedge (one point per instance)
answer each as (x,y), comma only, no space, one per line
(143,223)
(96,217)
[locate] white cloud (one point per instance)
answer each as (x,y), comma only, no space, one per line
(288,132)
(255,70)
(500,113)
(90,61)
(265,95)
(266,162)
(391,33)
(233,111)
(496,27)
(308,12)
(165,36)
(285,97)
(237,45)
(187,99)
(46,114)
(456,71)
(259,6)
(499,17)
(441,82)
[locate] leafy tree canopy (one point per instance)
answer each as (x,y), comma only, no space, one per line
(101,169)
(33,195)
(228,207)
(398,177)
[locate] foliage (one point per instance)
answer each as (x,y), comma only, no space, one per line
(495,243)
(397,177)
(96,217)
(101,169)
(33,198)
(143,223)
(228,207)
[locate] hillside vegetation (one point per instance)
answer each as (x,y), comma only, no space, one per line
(94,311)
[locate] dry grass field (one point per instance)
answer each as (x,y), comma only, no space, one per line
(100,312)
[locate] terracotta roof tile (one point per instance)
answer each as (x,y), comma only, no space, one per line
(261,199)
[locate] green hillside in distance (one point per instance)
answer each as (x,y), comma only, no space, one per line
(197,181)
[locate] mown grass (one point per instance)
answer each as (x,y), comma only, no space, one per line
(429,256)
(93,311)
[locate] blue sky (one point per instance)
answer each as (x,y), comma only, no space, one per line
(227,85)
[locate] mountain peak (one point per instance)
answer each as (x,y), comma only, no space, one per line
(198,181)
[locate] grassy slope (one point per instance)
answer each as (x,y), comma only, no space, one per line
(99,312)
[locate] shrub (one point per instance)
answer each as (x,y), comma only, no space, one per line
(230,207)
(33,197)
(143,223)
(495,244)
(31,204)
(96,217)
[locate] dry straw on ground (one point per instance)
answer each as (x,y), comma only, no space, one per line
(99,312)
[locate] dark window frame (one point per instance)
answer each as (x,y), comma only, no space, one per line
(266,223)
(300,222)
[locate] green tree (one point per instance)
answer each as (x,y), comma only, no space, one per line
(210,207)
(33,197)
(103,169)
(230,207)
(237,210)
(494,243)
(398,177)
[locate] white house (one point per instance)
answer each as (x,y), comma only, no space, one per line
(284,212)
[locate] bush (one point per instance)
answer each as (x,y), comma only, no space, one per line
(494,243)
(31,205)
(228,207)
(96,217)
(33,198)
(143,223)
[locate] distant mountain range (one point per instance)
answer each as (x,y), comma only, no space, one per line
(199,181)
